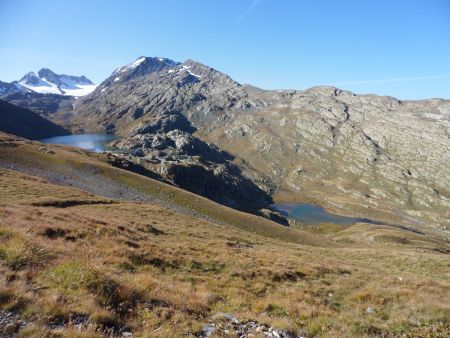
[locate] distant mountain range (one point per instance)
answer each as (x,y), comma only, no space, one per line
(48,82)
(374,156)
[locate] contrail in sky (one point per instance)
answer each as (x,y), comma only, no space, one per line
(247,11)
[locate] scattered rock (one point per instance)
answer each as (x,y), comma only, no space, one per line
(10,324)
(370,310)
(138,152)
(226,324)
(274,216)
(208,330)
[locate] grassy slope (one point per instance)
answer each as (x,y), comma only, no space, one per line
(67,253)
(63,161)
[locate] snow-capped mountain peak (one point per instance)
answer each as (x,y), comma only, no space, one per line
(48,82)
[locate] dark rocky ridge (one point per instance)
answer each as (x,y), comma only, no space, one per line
(9,88)
(53,107)
(43,104)
(25,123)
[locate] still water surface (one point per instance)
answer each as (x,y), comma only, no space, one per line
(92,142)
(311,214)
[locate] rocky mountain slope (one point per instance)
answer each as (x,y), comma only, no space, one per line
(25,123)
(9,88)
(357,154)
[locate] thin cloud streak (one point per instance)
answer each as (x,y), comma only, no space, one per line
(247,11)
(396,79)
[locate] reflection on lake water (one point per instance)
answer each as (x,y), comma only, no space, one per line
(92,142)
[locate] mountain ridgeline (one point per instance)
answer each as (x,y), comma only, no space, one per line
(371,155)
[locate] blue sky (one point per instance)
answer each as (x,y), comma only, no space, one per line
(399,48)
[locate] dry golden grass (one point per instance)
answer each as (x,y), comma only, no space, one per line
(163,274)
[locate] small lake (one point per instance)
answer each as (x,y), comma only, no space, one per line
(311,214)
(91,142)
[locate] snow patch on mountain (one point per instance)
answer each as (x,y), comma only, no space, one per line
(138,62)
(132,65)
(186,68)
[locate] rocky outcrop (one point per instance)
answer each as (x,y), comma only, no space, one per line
(195,165)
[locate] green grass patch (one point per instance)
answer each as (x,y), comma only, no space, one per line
(17,252)
(75,279)
(276,310)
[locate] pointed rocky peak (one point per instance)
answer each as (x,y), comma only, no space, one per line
(142,66)
(30,78)
(48,74)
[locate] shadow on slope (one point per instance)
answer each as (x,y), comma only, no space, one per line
(25,123)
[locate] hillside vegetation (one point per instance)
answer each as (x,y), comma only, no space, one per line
(88,250)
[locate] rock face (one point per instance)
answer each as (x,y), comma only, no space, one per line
(25,123)
(363,154)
